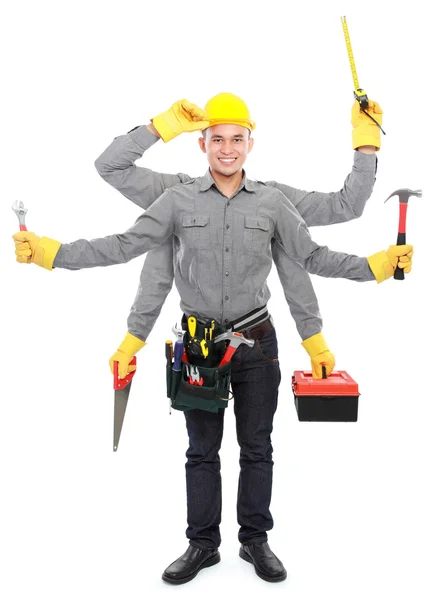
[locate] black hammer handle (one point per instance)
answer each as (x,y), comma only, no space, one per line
(399,273)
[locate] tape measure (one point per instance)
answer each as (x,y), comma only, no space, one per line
(358,92)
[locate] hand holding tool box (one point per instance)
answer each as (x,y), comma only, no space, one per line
(333,398)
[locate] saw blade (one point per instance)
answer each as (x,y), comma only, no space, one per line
(120,406)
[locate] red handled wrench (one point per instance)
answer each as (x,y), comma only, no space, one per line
(20,211)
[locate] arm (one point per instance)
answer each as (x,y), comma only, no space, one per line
(156,280)
(298,291)
(304,309)
(320,208)
(292,233)
(155,284)
(116,165)
(317,208)
(143,186)
(150,230)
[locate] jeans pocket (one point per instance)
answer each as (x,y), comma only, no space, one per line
(267,347)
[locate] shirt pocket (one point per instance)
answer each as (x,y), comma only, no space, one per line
(196,230)
(256,234)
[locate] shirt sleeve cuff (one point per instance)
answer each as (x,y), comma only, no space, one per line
(364,162)
(144,138)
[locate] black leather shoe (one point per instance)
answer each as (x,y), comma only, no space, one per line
(266,564)
(187,566)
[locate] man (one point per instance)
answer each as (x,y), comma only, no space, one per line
(142,185)
(223,226)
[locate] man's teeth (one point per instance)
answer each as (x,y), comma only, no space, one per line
(227,160)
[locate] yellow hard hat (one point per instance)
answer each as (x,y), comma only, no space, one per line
(228,108)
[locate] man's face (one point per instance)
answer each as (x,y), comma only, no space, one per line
(226,147)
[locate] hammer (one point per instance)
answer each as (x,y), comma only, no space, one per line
(403,195)
(235,339)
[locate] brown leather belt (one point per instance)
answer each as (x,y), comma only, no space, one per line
(258,331)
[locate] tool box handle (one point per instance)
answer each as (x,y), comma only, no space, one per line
(119,383)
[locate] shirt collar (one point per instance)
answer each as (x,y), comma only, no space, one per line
(207,181)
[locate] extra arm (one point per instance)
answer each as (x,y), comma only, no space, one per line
(116,165)
(156,281)
(292,233)
(150,230)
(319,208)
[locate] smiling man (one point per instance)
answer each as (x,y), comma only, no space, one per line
(224,228)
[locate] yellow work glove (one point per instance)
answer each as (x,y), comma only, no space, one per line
(320,355)
(126,351)
(182,116)
(383,264)
(366,132)
(30,248)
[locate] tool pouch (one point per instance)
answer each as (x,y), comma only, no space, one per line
(213,394)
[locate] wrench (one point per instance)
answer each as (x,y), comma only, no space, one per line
(20,211)
(179,348)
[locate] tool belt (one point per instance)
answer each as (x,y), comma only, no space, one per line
(200,382)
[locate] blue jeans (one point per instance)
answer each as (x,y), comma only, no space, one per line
(255,380)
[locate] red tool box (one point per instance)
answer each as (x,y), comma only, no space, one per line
(334,398)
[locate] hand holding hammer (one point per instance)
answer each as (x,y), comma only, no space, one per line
(403,195)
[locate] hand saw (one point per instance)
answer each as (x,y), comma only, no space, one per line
(122,391)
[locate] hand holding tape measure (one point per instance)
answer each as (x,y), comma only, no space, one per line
(358,92)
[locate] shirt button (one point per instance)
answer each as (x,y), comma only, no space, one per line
(227,274)
(227,249)
(228,204)
(226,297)
(226,320)
(227,226)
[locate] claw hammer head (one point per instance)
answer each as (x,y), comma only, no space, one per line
(234,338)
(404,194)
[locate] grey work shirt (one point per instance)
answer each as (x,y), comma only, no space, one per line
(116,165)
(223,246)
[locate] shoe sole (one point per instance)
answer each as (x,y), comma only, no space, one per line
(246,557)
(208,563)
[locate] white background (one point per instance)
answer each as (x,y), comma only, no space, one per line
(350,500)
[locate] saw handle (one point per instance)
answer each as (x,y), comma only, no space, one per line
(401,240)
(119,383)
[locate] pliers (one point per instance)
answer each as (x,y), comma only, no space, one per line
(193,375)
